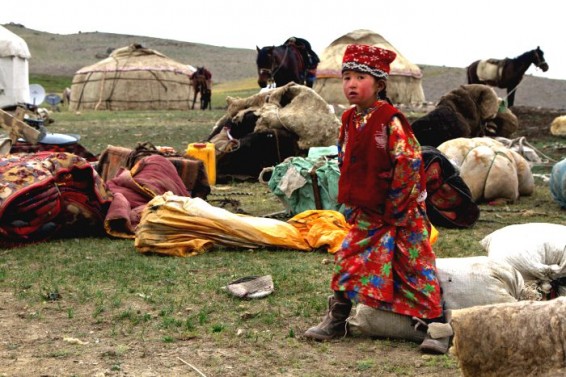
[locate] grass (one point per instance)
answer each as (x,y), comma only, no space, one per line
(51,84)
(105,286)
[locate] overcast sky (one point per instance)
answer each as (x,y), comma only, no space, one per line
(448,33)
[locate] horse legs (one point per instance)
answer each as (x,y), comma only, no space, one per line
(194,98)
(203,100)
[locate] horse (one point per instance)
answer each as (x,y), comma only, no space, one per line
(280,65)
(200,81)
(506,73)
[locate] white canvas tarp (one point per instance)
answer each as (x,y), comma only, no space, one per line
(14,69)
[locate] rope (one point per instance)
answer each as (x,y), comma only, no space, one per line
(512,91)
(489,169)
(100,93)
(496,153)
(280,121)
(277,145)
(268,169)
(145,149)
(80,100)
(522,141)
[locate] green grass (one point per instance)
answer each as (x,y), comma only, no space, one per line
(242,88)
(51,84)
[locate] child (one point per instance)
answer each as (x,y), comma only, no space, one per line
(386,260)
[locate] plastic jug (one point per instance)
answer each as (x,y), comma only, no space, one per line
(206,153)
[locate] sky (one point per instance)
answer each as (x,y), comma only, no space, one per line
(447,33)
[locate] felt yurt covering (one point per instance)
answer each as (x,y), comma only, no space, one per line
(132,78)
(404,83)
(14,69)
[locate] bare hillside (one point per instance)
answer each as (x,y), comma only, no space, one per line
(63,55)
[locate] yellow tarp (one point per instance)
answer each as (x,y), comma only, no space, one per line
(184,226)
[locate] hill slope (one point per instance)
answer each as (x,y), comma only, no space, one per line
(63,55)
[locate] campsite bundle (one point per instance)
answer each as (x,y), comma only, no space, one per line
(192,171)
(49,194)
(526,263)
(449,201)
(536,250)
(133,188)
(466,282)
(472,110)
(491,170)
(183,226)
(304,183)
(264,129)
(558,183)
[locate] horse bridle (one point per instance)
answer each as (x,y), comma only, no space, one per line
(539,61)
(274,68)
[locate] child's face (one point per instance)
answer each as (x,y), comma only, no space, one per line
(361,89)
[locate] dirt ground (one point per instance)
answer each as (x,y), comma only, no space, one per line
(34,344)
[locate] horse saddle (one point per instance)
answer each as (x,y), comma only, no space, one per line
(490,70)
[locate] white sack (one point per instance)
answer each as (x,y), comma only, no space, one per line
(474,281)
(536,250)
(490,169)
(466,282)
(367,321)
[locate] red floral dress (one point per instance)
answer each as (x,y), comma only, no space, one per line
(386,260)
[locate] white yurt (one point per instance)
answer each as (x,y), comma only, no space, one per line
(404,82)
(14,69)
(132,78)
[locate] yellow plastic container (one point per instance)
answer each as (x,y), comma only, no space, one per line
(207,154)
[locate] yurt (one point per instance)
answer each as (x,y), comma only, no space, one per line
(14,69)
(132,78)
(404,83)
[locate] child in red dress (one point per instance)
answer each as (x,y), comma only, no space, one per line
(386,260)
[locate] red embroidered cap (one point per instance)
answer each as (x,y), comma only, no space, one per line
(368,59)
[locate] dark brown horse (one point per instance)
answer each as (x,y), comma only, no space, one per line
(506,73)
(279,65)
(200,81)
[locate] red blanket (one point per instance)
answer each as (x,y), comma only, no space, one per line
(191,171)
(133,189)
(48,194)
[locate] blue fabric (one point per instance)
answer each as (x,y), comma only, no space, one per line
(558,183)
